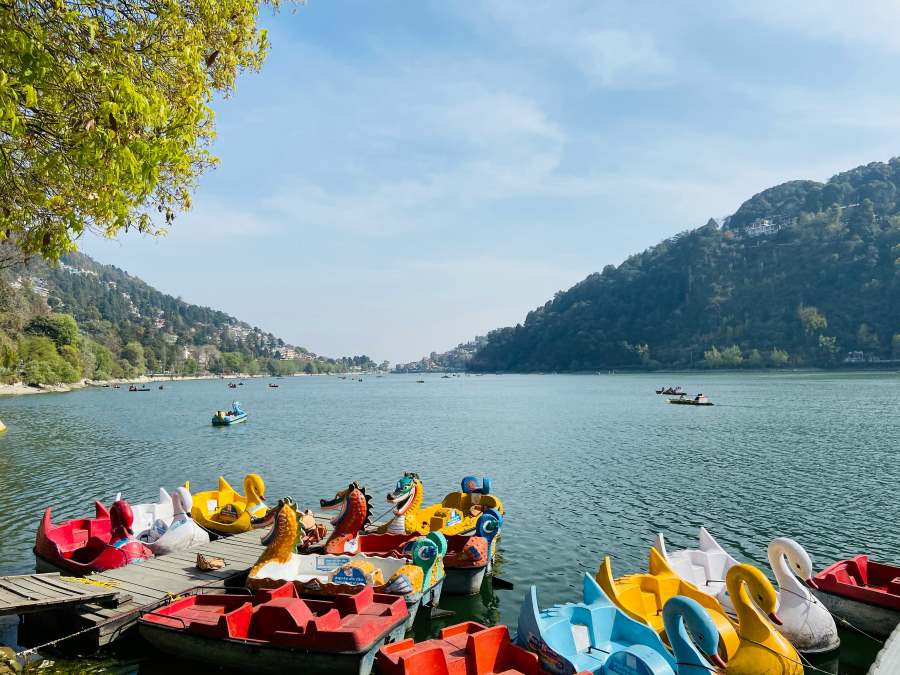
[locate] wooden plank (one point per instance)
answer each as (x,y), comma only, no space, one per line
(56,588)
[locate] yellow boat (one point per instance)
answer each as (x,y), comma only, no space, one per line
(2,427)
(227,512)
(751,644)
(457,513)
(642,597)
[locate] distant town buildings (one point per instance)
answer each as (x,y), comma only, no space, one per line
(453,360)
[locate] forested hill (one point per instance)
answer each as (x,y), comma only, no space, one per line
(84,319)
(803,274)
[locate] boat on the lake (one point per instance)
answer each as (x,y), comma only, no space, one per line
(684,399)
(805,621)
(671,391)
(418,577)
(134,388)
(225,511)
(752,643)
(468,648)
(2,427)
(224,418)
(277,630)
(273,386)
(456,513)
(595,636)
(232,385)
(469,557)
(85,545)
(166,526)
(863,592)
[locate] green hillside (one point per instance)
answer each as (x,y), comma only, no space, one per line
(803,274)
(81,319)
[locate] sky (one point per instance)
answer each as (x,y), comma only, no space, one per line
(403,176)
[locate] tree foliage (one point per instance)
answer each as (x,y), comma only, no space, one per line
(104,110)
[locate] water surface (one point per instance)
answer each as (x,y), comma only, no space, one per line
(586,465)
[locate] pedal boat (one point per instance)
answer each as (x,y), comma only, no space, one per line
(167,527)
(85,545)
(595,636)
(277,630)
(457,513)
(418,578)
(806,622)
(862,592)
(467,648)
(751,644)
(225,418)
(224,511)
(467,560)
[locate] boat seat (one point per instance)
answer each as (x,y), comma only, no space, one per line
(214,621)
(893,586)
(281,618)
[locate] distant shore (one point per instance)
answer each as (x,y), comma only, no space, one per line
(20,388)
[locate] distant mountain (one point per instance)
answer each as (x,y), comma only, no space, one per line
(454,359)
(803,274)
(125,327)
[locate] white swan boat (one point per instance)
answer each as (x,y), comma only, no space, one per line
(806,622)
(166,526)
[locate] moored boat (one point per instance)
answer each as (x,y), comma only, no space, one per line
(224,418)
(278,630)
(805,621)
(467,648)
(864,593)
(469,557)
(225,511)
(166,526)
(85,545)
(2,427)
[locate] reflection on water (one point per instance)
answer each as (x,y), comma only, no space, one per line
(586,465)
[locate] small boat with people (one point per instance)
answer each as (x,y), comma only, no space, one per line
(224,418)
(273,386)
(84,545)
(232,385)
(670,391)
(685,399)
(862,592)
(805,621)
(278,630)
(132,387)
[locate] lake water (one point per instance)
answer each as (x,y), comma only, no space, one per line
(585,465)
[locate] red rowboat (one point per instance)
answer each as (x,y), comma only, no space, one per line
(864,593)
(464,649)
(277,631)
(86,545)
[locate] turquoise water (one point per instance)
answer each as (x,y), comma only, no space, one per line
(586,465)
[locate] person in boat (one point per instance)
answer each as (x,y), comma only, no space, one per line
(698,397)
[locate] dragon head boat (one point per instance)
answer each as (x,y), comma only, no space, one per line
(225,511)
(418,576)
(468,559)
(596,636)
(457,513)
(86,545)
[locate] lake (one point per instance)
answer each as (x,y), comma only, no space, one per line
(586,465)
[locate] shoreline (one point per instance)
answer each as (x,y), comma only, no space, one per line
(22,389)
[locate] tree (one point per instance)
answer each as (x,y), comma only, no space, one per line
(104,110)
(61,328)
(712,358)
(778,358)
(133,353)
(811,319)
(755,359)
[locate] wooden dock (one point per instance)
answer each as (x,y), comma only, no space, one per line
(149,584)
(26,593)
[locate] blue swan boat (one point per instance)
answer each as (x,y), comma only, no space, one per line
(595,636)
(224,418)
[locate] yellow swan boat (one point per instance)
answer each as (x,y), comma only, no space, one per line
(751,644)
(227,512)
(642,597)
(457,513)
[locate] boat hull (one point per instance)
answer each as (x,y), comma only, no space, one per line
(464,580)
(216,422)
(873,619)
(240,656)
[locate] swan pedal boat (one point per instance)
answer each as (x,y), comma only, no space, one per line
(224,511)
(595,636)
(468,559)
(166,526)
(85,545)
(806,622)
(278,630)
(751,644)
(225,418)
(468,648)
(864,593)
(457,513)
(418,579)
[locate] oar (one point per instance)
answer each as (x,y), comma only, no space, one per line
(501,583)
(439,613)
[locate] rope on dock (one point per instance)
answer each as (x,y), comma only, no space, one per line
(89,582)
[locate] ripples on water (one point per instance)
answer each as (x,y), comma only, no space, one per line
(586,465)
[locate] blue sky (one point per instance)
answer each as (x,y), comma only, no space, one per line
(402,176)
